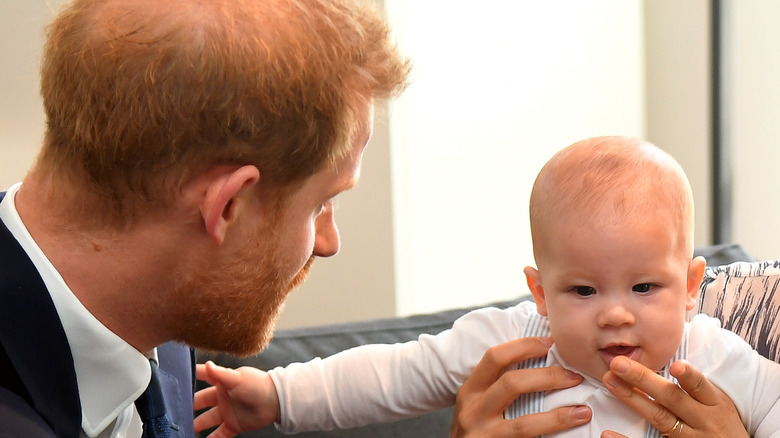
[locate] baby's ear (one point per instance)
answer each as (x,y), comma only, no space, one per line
(695,274)
(535,285)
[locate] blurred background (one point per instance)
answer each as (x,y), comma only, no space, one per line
(439,219)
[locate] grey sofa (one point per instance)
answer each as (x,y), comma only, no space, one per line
(300,345)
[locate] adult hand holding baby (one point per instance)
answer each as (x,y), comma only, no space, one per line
(701,408)
(481,401)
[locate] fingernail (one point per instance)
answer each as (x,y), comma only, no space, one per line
(581,413)
(620,364)
(571,375)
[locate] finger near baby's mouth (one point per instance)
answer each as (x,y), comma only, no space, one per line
(613,351)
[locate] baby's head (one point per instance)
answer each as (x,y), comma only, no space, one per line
(612,229)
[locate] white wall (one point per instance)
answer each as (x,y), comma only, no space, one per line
(21,113)
(677,38)
(678,109)
(498,87)
(755,133)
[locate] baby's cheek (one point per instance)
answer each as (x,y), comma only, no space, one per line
(570,342)
(662,348)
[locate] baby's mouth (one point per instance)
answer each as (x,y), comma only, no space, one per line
(613,351)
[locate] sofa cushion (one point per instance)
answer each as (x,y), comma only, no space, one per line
(745,298)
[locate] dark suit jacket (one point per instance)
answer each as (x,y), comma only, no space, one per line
(38,391)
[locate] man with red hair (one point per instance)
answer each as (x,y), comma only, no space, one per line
(191,154)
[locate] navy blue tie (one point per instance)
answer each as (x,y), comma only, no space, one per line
(151,408)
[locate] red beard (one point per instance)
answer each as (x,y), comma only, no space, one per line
(232,306)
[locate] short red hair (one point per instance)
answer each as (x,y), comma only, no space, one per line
(140,96)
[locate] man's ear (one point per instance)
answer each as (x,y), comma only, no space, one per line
(219,206)
(695,274)
(535,285)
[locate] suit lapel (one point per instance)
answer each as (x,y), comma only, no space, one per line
(33,338)
(37,349)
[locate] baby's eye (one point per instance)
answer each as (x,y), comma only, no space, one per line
(583,291)
(642,288)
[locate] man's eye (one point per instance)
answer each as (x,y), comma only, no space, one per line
(642,288)
(584,291)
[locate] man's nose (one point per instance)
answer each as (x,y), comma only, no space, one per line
(326,238)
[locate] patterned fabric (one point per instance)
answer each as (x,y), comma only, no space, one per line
(530,403)
(745,298)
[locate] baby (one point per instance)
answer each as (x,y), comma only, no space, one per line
(612,229)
